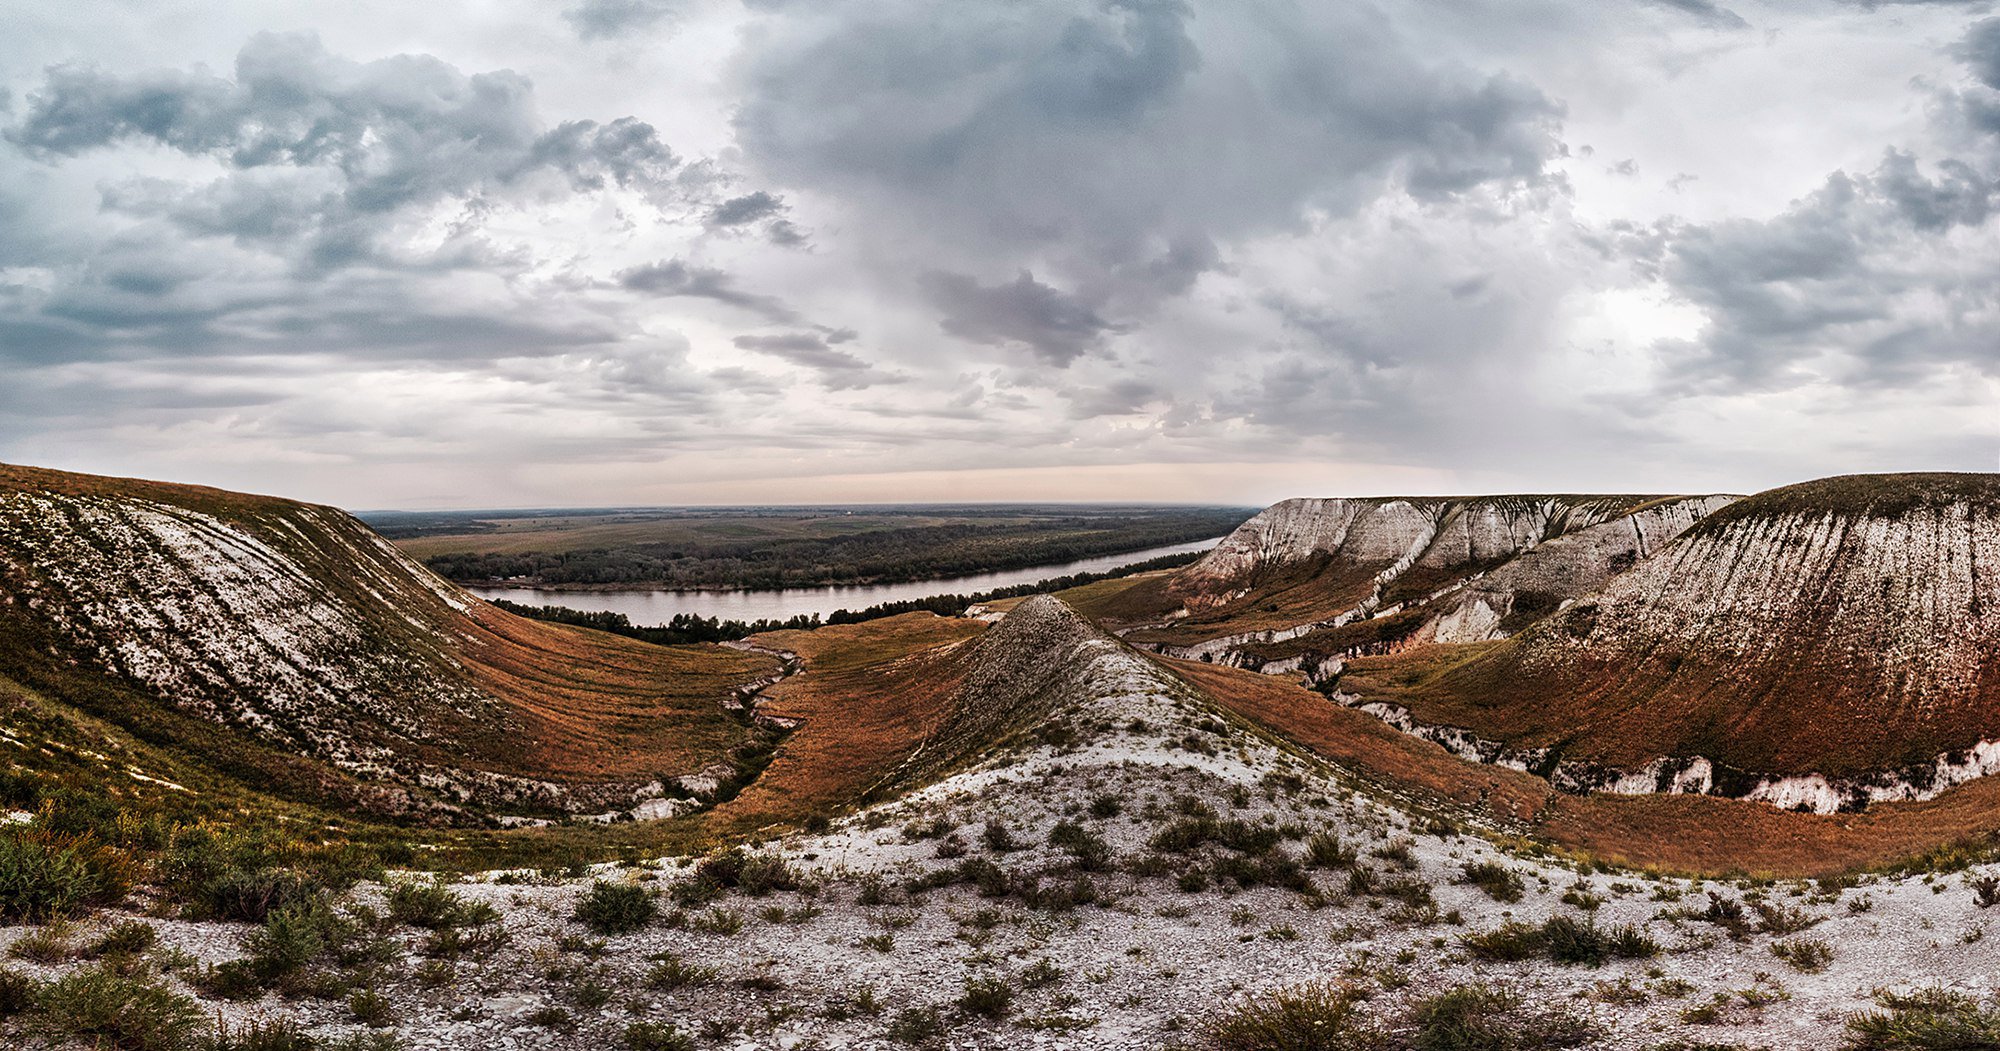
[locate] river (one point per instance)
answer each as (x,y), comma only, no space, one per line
(648,608)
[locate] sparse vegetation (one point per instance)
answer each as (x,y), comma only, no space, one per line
(1498,881)
(616,908)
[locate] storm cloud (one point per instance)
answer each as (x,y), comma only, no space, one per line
(621,251)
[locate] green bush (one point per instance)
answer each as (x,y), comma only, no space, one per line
(656,1036)
(1563,939)
(46,874)
(1481,1018)
(112,1010)
(434,907)
(1498,881)
(1933,1019)
(1314,1017)
(916,1025)
(764,873)
(987,997)
(276,1034)
(1086,848)
(129,938)
(251,895)
(616,908)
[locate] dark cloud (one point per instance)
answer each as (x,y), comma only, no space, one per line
(1057,326)
(839,370)
(749,208)
(1708,12)
(760,208)
(601,19)
(804,348)
(675,277)
(1980,51)
(1119,398)
(1076,137)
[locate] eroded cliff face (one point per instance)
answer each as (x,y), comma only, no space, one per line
(299,627)
(1393,536)
(1820,645)
(1510,596)
(1355,577)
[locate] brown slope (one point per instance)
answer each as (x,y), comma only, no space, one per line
(303,631)
(1843,627)
(1698,835)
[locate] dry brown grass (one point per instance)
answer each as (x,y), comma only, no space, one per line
(598,707)
(1362,743)
(869,694)
(1698,835)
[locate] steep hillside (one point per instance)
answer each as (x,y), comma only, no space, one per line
(1046,675)
(1819,646)
(1313,580)
(301,631)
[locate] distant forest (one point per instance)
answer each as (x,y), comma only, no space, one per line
(890,554)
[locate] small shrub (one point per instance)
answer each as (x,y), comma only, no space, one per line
(672,972)
(1317,1016)
(1324,850)
(1482,1018)
(998,838)
(1810,955)
(718,921)
(45,874)
(371,1009)
(987,997)
(764,873)
(129,938)
(1774,918)
(915,1025)
(1563,939)
(656,1036)
(616,908)
(1985,891)
(1509,942)
(1042,972)
(1498,881)
(428,905)
(1088,849)
(48,945)
(251,895)
(278,1034)
(113,1010)
(17,992)
(1928,1019)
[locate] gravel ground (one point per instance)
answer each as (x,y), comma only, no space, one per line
(1148,964)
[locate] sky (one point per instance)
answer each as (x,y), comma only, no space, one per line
(621,252)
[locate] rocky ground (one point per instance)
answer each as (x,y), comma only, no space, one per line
(1124,872)
(857,959)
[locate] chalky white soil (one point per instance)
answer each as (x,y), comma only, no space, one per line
(1148,964)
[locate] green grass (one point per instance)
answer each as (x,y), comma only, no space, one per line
(1931,1019)
(103,1007)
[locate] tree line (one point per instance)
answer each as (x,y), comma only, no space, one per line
(686,628)
(885,556)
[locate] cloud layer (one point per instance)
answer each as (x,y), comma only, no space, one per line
(636,250)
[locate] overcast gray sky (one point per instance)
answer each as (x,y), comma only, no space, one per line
(692,251)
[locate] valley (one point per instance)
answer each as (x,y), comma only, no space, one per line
(1632,771)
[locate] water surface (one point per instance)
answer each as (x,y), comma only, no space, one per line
(648,608)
